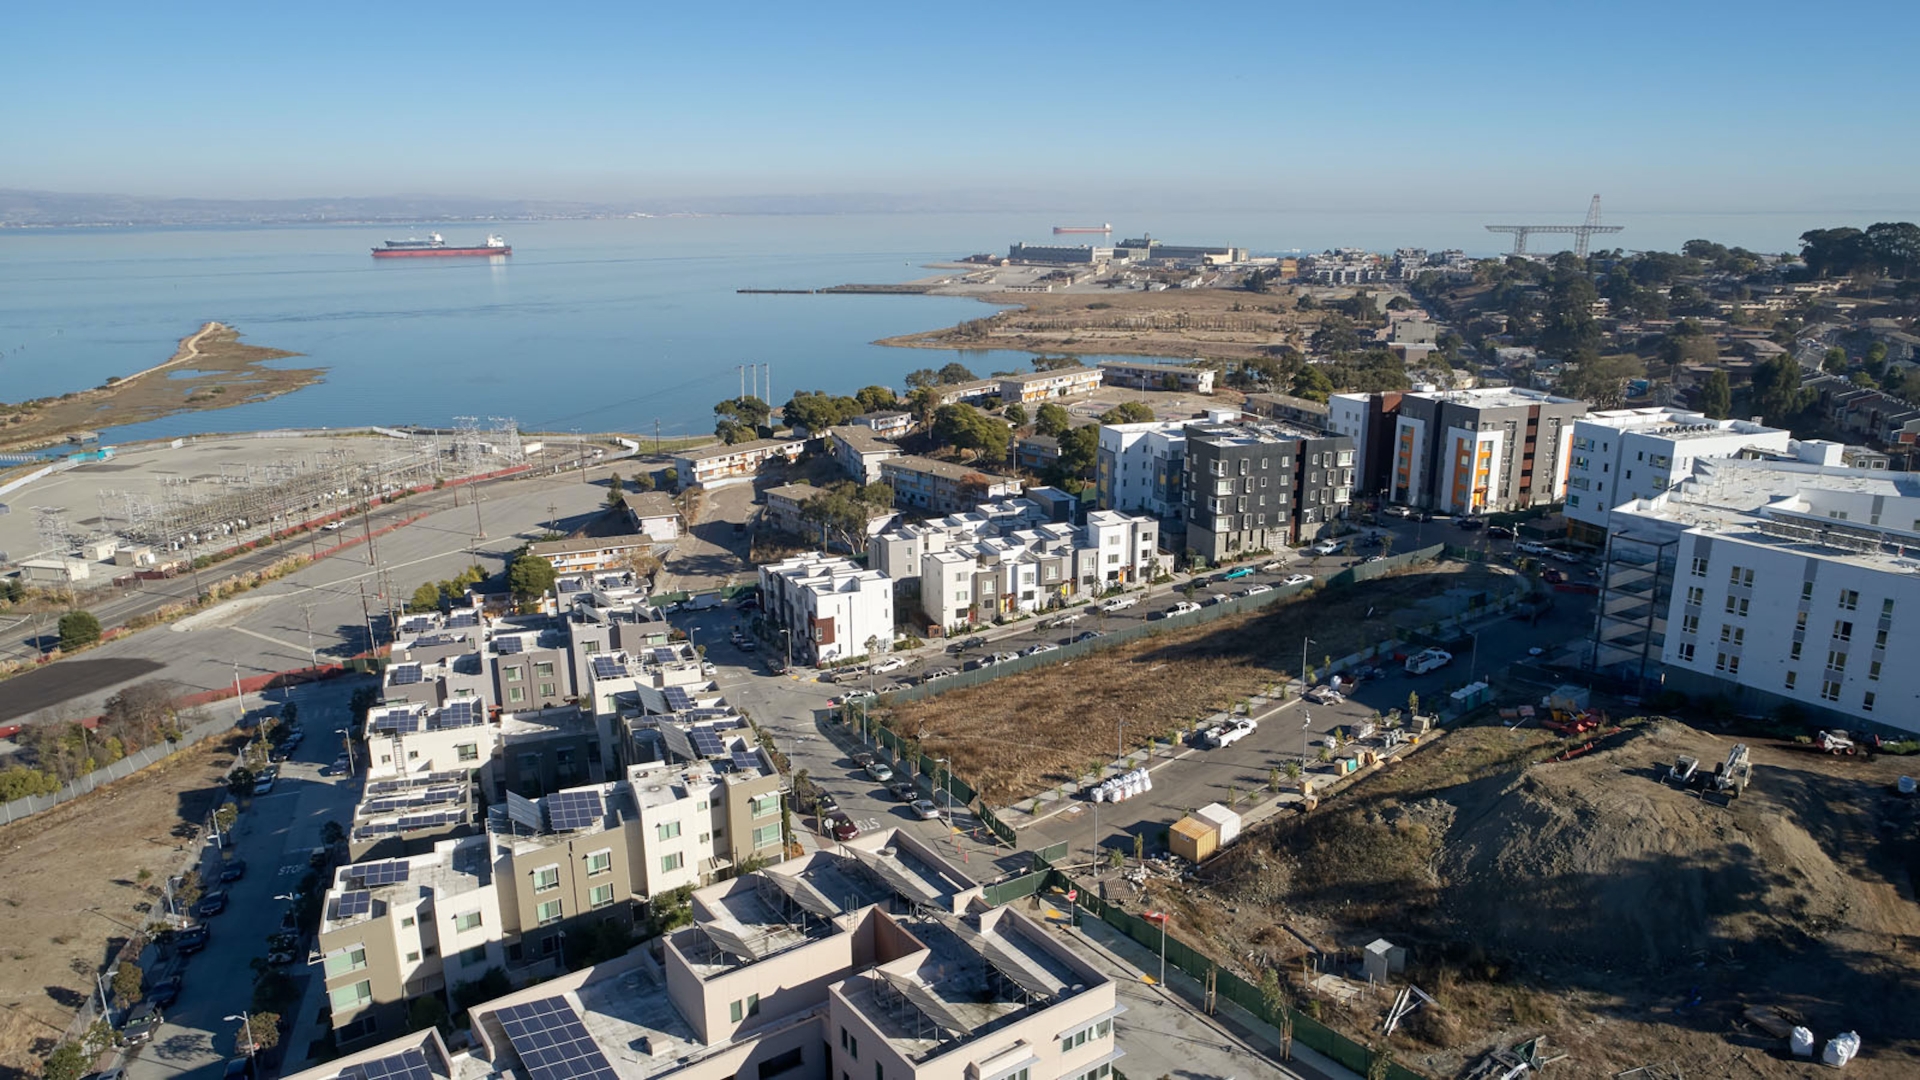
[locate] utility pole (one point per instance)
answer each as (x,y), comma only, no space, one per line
(306,612)
(656,435)
(367,617)
(239,702)
(479,526)
(366,530)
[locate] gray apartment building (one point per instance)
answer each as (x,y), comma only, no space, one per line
(1262,486)
(943,487)
(1472,451)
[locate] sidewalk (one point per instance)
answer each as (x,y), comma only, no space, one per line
(1165,1032)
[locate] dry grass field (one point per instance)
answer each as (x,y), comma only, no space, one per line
(1023,733)
(1215,323)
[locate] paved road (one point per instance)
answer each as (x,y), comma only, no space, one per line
(340,597)
(273,834)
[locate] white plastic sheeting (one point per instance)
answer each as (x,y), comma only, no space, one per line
(1122,787)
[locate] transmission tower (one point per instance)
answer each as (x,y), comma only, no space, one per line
(1581,233)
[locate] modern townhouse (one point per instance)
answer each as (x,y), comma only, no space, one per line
(829,607)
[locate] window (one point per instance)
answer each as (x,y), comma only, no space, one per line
(545,878)
(1830,689)
(543,669)
(1741,576)
(1886,609)
(599,862)
(1100,1073)
(467,921)
(1695,594)
(348,959)
(600,896)
(850,1043)
(1843,630)
(514,674)
(766,836)
(1728,664)
(516,693)
(468,751)
(1689,624)
(667,830)
(413,958)
(1686,651)
(1699,566)
(1792,677)
(475,955)
(1737,605)
(1794,653)
(1873,671)
(1879,639)
(1849,599)
(1806,590)
(670,863)
(1800,620)
(546,689)
(352,997)
(406,922)
(879,1071)
(548,912)
(1866,702)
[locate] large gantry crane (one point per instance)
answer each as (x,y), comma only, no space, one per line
(1581,233)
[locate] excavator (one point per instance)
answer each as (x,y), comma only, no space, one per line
(1731,776)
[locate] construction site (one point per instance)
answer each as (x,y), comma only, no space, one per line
(1643,899)
(155,508)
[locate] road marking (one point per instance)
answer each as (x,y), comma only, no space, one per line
(299,649)
(292,868)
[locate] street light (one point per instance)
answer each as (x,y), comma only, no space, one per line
(347,739)
(946,788)
(246,1024)
(1304,642)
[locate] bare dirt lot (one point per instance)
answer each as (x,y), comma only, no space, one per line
(1629,920)
(1020,734)
(76,880)
(1217,323)
(210,370)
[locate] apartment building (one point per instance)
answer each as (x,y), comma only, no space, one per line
(830,606)
(1262,486)
(400,928)
(1621,455)
(977,392)
(720,461)
(973,570)
(409,738)
(592,554)
(890,424)
(1305,412)
(1146,375)
(942,487)
(859,451)
(1473,451)
(655,514)
(1786,582)
(1369,420)
(1140,467)
(897,551)
(408,814)
(1048,385)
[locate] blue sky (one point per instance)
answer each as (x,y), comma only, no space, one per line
(1668,106)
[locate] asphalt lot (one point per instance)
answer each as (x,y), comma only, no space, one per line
(274,834)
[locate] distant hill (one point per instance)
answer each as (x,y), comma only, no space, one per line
(21,208)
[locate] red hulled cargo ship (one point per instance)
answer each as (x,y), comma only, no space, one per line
(434,246)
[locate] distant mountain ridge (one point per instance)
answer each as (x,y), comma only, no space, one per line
(25,209)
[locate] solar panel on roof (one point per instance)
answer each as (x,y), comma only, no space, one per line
(707,742)
(376,874)
(406,1065)
(607,667)
(552,1043)
(459,713)
(677,742)
(396,721)
(569,810)
(463,618)
(406,674)
(746,761)
(522,811)
(507,645)
(352,904)
(923,998)
(678,698)
(429,821)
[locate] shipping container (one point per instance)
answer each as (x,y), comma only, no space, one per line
(1193,840)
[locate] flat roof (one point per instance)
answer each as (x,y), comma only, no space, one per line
(721,450)
(948,469)
(1494,397)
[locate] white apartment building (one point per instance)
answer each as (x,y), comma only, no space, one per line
(1046,385)
(1784,582)
(1620,455)
(897,551)
(967,577)
(871,958)
(408,739)
(830,606)
(1138,467)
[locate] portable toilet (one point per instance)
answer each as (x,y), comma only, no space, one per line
(1193,839)
(1384,958)
(1224,821)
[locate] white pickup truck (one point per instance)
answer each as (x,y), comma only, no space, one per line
(1428,660)
(1232,733)
(1119,603)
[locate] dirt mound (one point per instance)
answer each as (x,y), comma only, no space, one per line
(1595,878)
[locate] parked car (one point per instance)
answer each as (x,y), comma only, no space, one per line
(1043,647)
(1399,511)
(747,645)
(1064,620)
(1273,567)
(1298,579)
(165,992)
(1327,547)
(973,642)
(263,786)
(1499,532)
(841,826)
(903,790)
(935,673)
(233,871)
(1213,598)
(862,759)
(891,663)
(926,810)
(1428,660)
(1181,608)
(824,802)
(280,957)
(1256,590)
(1237,573)
(1471,523)
(192,939)
(211,904)
(142,1022)
(890,687)
(1119,603)
(331,526)
(1325,695)
(340,767)
(880,772)
(1089,635)
(1374,558)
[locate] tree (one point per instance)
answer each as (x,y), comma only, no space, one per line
(1834,362)
(260,1032)
(843,510)
(425,598)
(1602,380)
(1569,325)
(426,1011)
(1777,391)
(69,1061)
(740,419)
(817,412)
(1128,412)
(1079,450)
(1716,396)
(955,373)
(875,398)
(1016,414)
(967,428)
(1052,420)
(78,629)
(128,983)
(530,576)
(1312,383)
(1056,363)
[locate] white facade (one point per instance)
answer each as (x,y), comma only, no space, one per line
(1792,583)
(972,571)
(831,606)
(1138,466)
(1347,415)
(1624,454)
